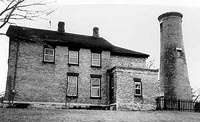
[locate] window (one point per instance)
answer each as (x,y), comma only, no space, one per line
(48,55)
(72,84)
(179,52)
(73,57)
(95,86)
(138,87)
(96,59)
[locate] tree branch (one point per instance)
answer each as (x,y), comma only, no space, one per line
(20,10)
(9,15)
(34,4)
(2,34)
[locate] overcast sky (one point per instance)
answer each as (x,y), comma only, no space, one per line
(131,24)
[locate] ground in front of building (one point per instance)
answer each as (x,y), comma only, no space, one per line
(71,115)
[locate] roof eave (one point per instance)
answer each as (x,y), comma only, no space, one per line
(130,55)
(14,29)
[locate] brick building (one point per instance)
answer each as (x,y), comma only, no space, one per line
(56,67)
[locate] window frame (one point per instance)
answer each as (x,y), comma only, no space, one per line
(100,59)
(137,81)
(99,87)
(179,52)
(69,56)
(44,50)
(69,74)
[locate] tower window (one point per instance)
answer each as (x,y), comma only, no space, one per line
(179,52)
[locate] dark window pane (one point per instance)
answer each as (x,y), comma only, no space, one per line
(137,91)
(49,51)
(138,88)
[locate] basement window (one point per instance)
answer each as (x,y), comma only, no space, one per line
(72,84)
(138,87)
(95,89)
(49,55)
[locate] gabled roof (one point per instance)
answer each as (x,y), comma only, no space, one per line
(69,39)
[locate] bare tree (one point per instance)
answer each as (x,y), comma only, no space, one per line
(15,10)
(196,95)
(150,63)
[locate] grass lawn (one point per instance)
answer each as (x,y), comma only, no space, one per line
(69,115)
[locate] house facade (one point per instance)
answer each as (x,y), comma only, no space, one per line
(47,66)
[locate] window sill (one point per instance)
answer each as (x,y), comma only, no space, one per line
(73,64)
(72,96)
(46,62)
(95,66)
(138,95)
(95,97)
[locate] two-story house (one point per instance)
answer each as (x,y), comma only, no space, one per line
(46,66)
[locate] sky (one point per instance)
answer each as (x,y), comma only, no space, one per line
(131,24)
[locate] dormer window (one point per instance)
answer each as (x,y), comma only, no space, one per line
(73,57)
(96,59)
(49,55)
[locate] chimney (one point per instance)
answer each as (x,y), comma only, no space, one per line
(96,32)
(61,27)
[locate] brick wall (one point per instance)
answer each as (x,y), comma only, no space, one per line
(123,61)
(125,96)
(44,82)
(37,81)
